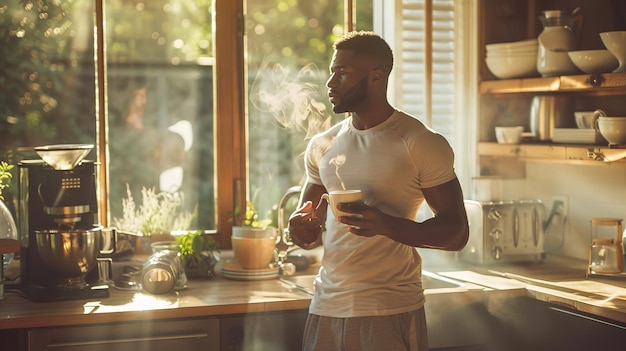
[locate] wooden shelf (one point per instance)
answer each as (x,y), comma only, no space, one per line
(602,83)
(595,154)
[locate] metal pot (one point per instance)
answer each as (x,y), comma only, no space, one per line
(72,253)
(546,113)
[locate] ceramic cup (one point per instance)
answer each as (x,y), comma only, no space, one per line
(587,119)
(613,129)
(509,135)
(335,197)
(253,248)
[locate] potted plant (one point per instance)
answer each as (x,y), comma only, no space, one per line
(155,218)
(197,250)
(251,221)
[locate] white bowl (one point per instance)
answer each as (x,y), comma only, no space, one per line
(509,135)
(615,42)
(586,119)
(514,54)
(594,61)
(505,67)
(613,129)
(522,44)
(520,51)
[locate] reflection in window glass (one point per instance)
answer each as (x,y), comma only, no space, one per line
(289,45)
(160,103)
(47,77)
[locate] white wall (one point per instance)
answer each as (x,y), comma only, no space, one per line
(592,191)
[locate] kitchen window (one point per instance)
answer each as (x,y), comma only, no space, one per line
(179,94)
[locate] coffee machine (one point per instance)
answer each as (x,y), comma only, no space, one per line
(58,216)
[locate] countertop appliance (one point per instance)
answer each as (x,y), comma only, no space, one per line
(504,231)
(57,195)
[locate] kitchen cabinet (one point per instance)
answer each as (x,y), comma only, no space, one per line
(187,334)
(538,325)
(279,331)
(507,102)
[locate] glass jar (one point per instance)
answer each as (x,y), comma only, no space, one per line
(8,230)
(556,39)
(606,254)
(163,271)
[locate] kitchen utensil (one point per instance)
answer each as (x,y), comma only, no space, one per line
(509,135)
(512,59)
(577,136)
(58,231)
(587,119)
(556,39)
(64,156)
(522,45)
(253,247)
(71,254)
(615,42)
(594,61)
(613,129)
(163,271)
(548,112)
(512,66)
(8,230)
(504,231)
(7,246)
(606,255)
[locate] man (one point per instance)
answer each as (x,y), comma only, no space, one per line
(368,294)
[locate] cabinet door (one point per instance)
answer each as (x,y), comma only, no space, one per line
(185,334)
(279,331)
(538,325)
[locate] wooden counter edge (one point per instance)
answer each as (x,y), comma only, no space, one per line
(160,314)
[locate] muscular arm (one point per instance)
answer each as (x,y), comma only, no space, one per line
(306,223)
(447,230)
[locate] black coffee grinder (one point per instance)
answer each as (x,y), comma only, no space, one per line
(57,218)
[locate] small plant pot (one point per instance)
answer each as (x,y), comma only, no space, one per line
(199,266)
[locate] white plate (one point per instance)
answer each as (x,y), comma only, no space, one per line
(232,270)
(577,136)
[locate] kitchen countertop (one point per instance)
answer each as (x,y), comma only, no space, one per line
(556,280)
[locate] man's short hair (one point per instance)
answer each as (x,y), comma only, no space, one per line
(368,44)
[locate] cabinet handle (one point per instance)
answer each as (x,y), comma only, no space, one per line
(578,315)
(126,340)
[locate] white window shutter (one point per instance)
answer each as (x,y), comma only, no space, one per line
(433,59)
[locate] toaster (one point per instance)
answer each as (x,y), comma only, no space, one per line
(504,231)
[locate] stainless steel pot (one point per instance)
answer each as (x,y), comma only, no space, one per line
(548,112)
(72,253)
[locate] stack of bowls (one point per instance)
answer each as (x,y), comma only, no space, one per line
(516,59)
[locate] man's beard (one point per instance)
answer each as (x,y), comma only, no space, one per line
(352,98)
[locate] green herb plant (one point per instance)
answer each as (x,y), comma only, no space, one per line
(251,218)
(5,177)
(197,251)
(158,213)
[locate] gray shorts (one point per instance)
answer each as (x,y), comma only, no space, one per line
(398,332)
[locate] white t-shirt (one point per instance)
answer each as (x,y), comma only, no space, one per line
(390,163)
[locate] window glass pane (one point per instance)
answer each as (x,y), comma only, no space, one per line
(289,45)
(47,79)
(160,103)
